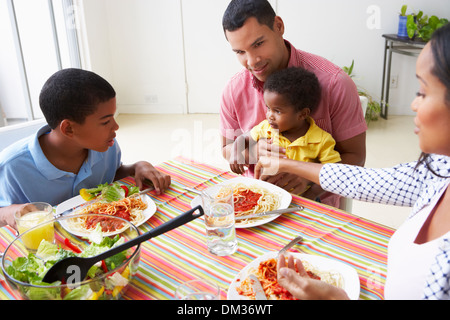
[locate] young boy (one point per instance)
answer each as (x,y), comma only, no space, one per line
(77,149)
(290,96)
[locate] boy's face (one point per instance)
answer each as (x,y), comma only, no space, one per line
(260,49)
(99,129)
(282,116)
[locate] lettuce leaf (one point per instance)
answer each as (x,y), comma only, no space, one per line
(89,194)
(47,251)
(113,193)
(79,293)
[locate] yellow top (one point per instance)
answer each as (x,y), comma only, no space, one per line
(316,145)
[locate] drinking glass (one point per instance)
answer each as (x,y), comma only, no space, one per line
(31,215)
(218,206)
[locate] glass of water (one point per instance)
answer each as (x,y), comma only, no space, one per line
(218,206)
(198,289)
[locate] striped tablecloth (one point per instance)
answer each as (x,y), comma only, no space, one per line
(181,254)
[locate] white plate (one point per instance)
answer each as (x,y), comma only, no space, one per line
(78,200)
(285,200)
(349,274)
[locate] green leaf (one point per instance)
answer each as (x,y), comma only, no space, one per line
(113,193)
(433,22)
(411,26)
(419,15)
(349,70)
(426,32)
(403,10)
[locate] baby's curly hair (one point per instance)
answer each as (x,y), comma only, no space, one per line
(301,87)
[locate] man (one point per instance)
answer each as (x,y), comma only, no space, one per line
(255,34)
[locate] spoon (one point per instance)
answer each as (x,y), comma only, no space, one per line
(76,268)
(289,245)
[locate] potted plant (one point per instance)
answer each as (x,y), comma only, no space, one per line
(371,107)
(423,27)
(402,20)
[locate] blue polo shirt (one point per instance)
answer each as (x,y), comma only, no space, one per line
(27,176)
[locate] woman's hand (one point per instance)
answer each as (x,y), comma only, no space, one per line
(270,169)
(266,148)
(267,166)
(301,286)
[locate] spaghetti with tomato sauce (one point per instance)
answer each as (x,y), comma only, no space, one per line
(245,200)
(130,209)
(107,225)
(253,199)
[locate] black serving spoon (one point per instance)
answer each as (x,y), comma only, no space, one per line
(76,268)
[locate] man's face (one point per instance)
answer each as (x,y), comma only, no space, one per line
(260,49)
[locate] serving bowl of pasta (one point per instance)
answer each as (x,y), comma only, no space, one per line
(25,268)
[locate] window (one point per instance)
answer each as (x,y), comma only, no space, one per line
(39,37)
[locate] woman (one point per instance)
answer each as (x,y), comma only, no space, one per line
(419,251)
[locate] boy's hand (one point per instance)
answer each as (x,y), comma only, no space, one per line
(7,215)
(145,171)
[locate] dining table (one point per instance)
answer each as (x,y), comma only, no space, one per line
(181,254)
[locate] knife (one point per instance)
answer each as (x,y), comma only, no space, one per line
(269,213)
(92,201)
(193,190)
(257,288)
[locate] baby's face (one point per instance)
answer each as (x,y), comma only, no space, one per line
(281,115)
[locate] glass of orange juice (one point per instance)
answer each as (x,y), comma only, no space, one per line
(32,215)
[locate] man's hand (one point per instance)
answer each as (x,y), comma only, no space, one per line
(238,168)
(238,157)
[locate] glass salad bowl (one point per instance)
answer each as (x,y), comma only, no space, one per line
(24,267)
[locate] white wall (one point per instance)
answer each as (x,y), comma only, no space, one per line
(148,48)
(352,29)
(210,63)
(138,46)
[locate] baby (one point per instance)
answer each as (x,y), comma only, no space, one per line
(290,96)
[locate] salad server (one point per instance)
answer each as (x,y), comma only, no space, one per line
(65,268)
